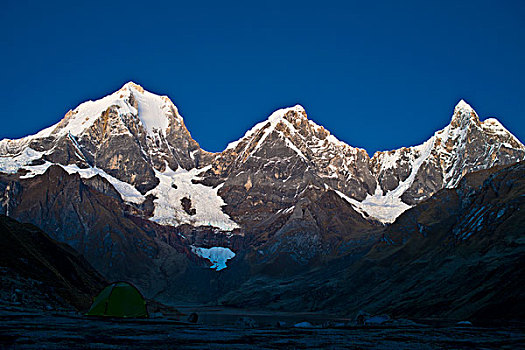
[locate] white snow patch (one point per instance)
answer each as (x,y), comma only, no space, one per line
(10,164)
(390,159)
(205,200)
(289,210)
(127,191)
(216,255)
(82,117)
(386,208)
(463,107)
(332,139)
(152,111)
(383,208)
(35,170)
(493,126)
(274,119)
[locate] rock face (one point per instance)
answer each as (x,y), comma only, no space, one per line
(464,146)
(277,159)
(134,137)
(128,134)
(90,215)
(123,182)
(38,272)
(458,255)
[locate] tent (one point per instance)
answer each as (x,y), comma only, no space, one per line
(119,299)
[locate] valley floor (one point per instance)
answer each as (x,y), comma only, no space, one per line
(21,329)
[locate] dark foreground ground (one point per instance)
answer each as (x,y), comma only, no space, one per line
(22,329)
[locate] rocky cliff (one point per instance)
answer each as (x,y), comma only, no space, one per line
(39,272)
(457,255)
(122,181)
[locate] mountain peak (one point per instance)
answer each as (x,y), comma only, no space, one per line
(131,85)
(153,111)
(463,115)
(463,105)
(281,114)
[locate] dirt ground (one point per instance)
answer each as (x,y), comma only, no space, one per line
(230,329)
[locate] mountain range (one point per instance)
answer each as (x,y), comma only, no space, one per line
(122,181)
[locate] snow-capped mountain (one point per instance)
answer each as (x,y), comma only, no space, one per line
(288,152)
(121,180)
(407,176)
(457,255)
(127,134)
(287,139)
(138,141)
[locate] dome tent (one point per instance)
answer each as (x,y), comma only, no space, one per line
(119,299)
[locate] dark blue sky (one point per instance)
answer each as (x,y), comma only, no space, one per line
(378,75)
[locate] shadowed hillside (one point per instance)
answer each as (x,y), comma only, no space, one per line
(458,255)
(38,271)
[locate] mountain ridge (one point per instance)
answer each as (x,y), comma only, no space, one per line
(134,192)
(131,84)
(133,136)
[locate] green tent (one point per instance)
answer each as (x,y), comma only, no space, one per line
(119,299)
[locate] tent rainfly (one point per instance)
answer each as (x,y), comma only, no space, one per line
(119,299)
